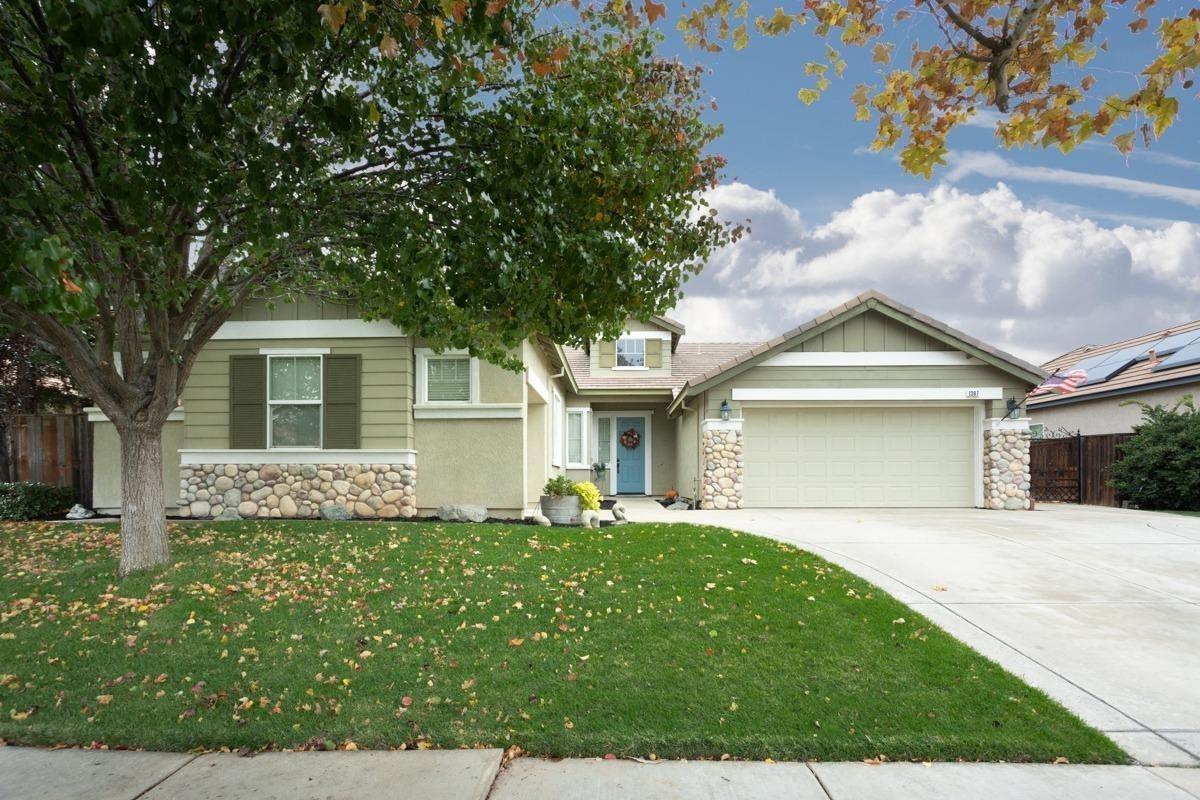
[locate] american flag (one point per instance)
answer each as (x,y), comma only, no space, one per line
(1061,384)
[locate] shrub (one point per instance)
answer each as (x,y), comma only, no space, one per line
(559,486)
(34,500)
(1159,467)
(589,496)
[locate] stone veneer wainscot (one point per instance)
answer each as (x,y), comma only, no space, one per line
(721,484)
(1006,476)
(232,491)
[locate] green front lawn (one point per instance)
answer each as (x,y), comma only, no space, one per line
(676,640)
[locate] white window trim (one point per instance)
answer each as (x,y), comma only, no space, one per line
(617,353)
(890,393)
(558,433)
(469,411)
(423,356)
(319,403)
(306,329)
(302,456)
(584,429)
(293,351)
(933,358)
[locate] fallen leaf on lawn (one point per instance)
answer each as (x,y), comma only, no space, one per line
(406,701)
(515,642)
(104,699)
(1061,760)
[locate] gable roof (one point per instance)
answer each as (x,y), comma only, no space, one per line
(1138,377)
(851,308)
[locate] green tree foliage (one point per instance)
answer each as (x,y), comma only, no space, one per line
(1159,467)
(940,62)
(457,167)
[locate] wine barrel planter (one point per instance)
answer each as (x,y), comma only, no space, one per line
(561,510)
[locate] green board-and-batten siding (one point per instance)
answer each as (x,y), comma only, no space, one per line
(870,331)
(386,390)
(303,307)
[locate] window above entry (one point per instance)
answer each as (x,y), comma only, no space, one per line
(631,353)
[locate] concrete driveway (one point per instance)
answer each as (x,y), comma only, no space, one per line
(1098,607)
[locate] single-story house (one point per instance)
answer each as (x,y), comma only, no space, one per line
(1156,368)
(297,406)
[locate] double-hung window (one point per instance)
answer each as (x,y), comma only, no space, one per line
(577,432)
(294,401)
(556,430)
(631,352)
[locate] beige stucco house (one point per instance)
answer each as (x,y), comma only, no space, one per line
(302,406)
(1158,368)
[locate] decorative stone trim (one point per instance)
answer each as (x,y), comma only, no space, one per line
(232,491)
(1006,476)
(721,484)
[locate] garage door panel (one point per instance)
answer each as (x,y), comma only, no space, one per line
(887,456)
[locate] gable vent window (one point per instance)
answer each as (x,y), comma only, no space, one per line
(631,352)
(294,401)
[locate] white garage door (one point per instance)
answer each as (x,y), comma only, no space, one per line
(865,456)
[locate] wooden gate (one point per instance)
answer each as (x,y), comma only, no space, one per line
(1075,469)
(49,448)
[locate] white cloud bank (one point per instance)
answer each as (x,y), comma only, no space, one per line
(1029,280)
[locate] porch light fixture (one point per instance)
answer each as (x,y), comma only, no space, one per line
(725,410)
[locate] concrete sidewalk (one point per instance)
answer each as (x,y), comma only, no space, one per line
(34,774)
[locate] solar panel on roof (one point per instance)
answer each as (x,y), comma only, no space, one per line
(1177,341)
(1185,356)
(1088,364)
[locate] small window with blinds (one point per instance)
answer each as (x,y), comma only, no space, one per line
(448,379)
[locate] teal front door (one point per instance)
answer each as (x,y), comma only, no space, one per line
(631,461)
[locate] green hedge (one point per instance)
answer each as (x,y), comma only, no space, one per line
(1159,467)
(34,500)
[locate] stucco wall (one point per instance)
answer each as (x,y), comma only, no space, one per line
(687,445)
(106,466)
(1107,415)
(387,389)
(471,461)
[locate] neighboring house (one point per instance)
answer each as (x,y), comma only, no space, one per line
(304,405)
(1155,368)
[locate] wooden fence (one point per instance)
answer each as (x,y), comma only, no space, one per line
(1075,469)
(48,448)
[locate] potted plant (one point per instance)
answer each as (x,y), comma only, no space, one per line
(560,503)
(599,470)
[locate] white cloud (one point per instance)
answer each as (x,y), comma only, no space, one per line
(1030,280)
(990,165)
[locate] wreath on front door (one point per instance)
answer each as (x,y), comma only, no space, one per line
(630,439)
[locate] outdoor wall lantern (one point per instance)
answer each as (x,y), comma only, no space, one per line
(725,410)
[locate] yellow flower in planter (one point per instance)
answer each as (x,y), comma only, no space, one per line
(589,496)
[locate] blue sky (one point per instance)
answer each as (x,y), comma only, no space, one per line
(1030,249)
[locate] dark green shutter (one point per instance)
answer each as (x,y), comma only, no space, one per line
(608,355)
(654,352)
(343,401)
(247,402)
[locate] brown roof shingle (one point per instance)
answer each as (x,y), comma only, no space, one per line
(689,360)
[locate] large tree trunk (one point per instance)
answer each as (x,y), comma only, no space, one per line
(143,517)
